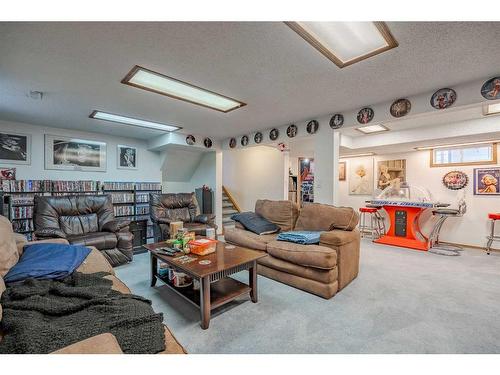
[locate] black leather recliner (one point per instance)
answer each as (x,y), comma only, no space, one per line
(166,208)
(86,220)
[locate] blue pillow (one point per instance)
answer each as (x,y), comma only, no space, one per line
(255,223)
(47,261)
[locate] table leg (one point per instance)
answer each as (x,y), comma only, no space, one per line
(252,273)
(154,269)
(205,302)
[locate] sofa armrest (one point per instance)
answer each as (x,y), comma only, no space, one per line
(115,225)
(104,343)
(204,218)
(49,233)
(347,244)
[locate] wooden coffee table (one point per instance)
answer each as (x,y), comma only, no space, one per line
(216,287)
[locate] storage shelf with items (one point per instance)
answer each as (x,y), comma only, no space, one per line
(123,198)
(292,188)
(61,188)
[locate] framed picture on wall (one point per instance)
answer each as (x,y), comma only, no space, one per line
(127,157)
(72,154)
(15,148)
(342,166)
(391,172)
(7,173)
(486,181)
(361,176)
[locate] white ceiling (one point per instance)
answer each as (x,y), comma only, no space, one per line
(266,65)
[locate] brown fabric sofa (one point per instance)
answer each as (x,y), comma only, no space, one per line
(11,248)
(86,220)
(321,269)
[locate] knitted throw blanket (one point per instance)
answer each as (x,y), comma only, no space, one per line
(41,316)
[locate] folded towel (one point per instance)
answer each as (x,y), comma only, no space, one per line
(300,237)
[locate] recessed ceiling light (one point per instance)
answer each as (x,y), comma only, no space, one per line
(161,84)
(492,109)
(456,145)
(346,43)
(99,115)
(370,129)
(357,155)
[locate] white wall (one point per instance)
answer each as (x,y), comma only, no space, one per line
(470,229)
(204,173)
(149,163)
(254,173)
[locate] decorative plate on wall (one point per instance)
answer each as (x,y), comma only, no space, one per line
(443,98)
(337,121)
(491,89)
(244,140)
(232,142)
(365,115)
(190,140)
(291,131)
(258,137)
(207,142)
(400,107)
(455,180)
(312,126)
(274,134)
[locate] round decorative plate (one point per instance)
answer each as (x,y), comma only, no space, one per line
(337,121)
(455,180)
(400,107)
(207,142)
(365,115)
(232,142)
(244,140)
(491,89)
(291,131)
(190,140)
(312,126)
(258,137)
(274,134)
(443,98)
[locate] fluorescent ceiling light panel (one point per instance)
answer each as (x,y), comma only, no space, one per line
(346,43)
(456,145)
(99,115)
(161,84)
(357,155)
(492,109)
(370,129)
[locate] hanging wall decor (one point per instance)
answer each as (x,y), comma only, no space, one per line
(312,126)
(190,140)
(486,181)
(491,89)
(365,115)
(455,180)
(207,142)
(258,137)
(274,134)
(443,98)
(337,121)
(244,140)
(342,166)
(400,108)
(7,173)
(232,142)
(291,131)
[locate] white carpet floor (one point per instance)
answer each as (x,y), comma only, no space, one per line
(403,301)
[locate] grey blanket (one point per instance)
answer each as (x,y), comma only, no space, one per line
(41,316)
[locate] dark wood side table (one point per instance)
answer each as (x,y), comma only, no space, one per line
(216,287)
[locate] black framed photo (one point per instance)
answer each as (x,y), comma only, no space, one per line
(337,121)
(207,142)
(291,131)
(72,154)
(491,89)
(274,134)
(365,115)
(244,140)
(15,148)
(232,142)
(312,126)
(127,157)
(400,107)
(190,140)
(443,98)
(258,137)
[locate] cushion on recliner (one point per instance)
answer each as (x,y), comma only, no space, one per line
(245,238)
(79,224)
(305,255)
(99,240)
(255,223)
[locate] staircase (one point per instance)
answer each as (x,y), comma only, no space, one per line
(229,207)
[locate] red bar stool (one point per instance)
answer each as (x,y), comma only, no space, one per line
(373,228)
(493,218)
(380,218)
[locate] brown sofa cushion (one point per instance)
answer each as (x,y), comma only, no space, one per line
(2,289)
(323,217)
(95,262)
(8,249)
(338,237)
(104,343)
(245,238)
(282,213)
(305,255)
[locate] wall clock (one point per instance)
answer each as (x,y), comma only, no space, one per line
(291,131)
(337,121)
(491,89)
(400,108)
(443,98)
(190,140)
(274,134)
(244,140)
(312,126)
(365,115)
(258,137)
(207,142)
(455,180)
(232,142)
